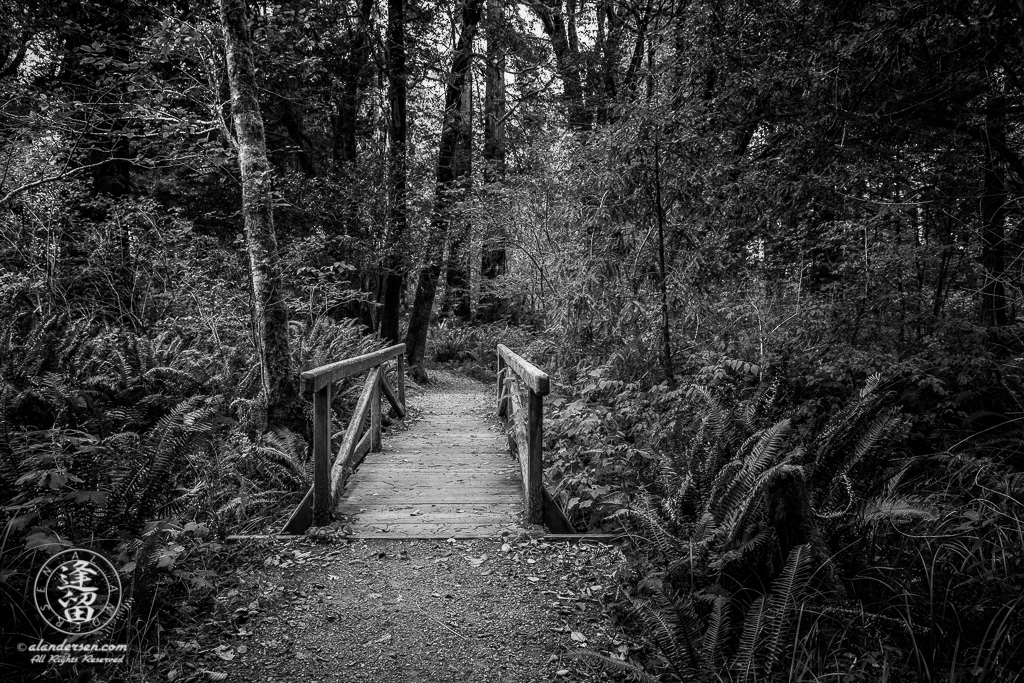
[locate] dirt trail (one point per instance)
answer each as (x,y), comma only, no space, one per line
(328,608)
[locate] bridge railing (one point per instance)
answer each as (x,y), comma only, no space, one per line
(329,477)
(525,423)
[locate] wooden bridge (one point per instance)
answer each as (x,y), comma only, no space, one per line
(450,473)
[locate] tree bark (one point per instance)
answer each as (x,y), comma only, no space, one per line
(269,315)
(493,258)
(457,275)
(394,258)
(452,130)
(567,61)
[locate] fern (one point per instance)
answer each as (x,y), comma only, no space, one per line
(768,626)
(631,670)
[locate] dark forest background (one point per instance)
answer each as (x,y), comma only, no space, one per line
(770,251)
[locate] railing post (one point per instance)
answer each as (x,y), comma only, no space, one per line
(375,413)
(401,379)
(535,459)
(322,499)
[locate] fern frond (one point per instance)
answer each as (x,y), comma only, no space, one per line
(713,645)
(630,669)
(787,591)
(663,539)
(896,507)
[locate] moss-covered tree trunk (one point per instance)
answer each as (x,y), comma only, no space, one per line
(268,313)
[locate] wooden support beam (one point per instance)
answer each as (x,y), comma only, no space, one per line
(317,378)
(500,371)
(554,518)
(323,503)
(375,413)
(348,444)
(401,377)
(301,517)
(389,394)
(535,458)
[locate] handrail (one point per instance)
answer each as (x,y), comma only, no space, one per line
(526,435)
(329,478)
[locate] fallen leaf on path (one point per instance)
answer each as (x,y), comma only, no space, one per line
(578,637)
(224,652)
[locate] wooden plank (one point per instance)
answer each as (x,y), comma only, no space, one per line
(425,496)
(446,479)
(317,378)
(433,463)
(389,394)
(439,507)
(505,485)
(534,477)
(407,517)
(348,444)
(322,499)
(430,531)
(530,374)
(405,469)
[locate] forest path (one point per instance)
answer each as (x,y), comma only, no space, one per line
(416,611)
(333,607)
(447,473)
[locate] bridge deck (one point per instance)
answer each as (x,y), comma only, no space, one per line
(449,474)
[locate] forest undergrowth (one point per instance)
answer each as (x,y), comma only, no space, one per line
(834,524)
(139,436)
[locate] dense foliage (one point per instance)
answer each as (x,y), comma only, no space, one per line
(770,253)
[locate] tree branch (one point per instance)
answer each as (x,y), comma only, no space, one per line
(49,179)
(941,120)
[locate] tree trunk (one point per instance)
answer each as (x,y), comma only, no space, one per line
(394,258)
(493,258)
(452,130)
(567,61)
(457,275)
(351,71)
(269,315)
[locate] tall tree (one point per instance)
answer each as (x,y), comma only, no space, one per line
(453,129)
(457,273)
(394,258)
(268,311)
(493,257)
